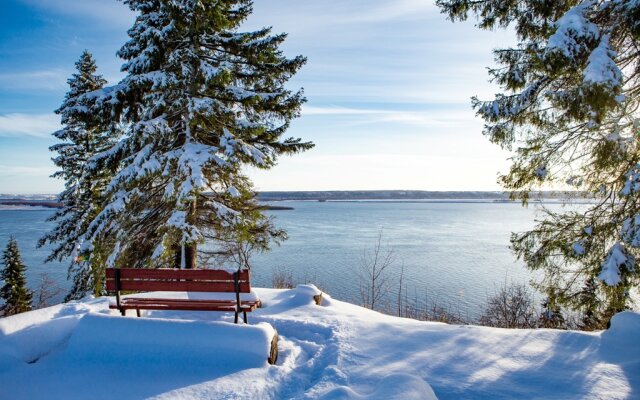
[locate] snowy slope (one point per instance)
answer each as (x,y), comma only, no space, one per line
(333,351)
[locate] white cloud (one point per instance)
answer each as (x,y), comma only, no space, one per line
(424,118)
(311,110)
(307,17)
(23,171)
(381,171)
(35,125)
(394,10)
(51,80)
(111,11)
(21,179)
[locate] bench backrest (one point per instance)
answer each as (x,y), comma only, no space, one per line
(176,280)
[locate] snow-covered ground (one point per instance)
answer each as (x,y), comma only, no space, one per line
(333,351)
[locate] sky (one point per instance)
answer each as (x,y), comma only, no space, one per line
(388,84)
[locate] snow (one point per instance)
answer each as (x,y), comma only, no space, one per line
(632,183)
(631,231)
(572,31)
(233,192)
(616,259)
(332,351)
(541,172)
(601,69)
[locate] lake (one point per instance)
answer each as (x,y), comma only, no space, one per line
(453,253)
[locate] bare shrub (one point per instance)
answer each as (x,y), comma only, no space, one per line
(374,282)
(282,279)
(427,309)
(236,247)
(46,291)
(401,304)
(513,306)
(439,313)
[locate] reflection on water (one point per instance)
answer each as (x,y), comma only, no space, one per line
(454,254)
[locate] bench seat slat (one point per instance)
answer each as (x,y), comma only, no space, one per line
(178,300)
(172,304)
(176,307)
(195,302)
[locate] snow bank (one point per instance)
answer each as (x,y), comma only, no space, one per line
(333,351)
(139,357)
(26,337)
(620,341)
(136,343)
(392,387)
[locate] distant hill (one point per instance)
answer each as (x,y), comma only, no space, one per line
(30,203)
(334,195)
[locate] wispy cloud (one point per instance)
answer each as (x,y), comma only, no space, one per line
(24,171)
(313,16)
(362,116)
(34,125)
(311,110)
(113,12)
(394,10)
(50,80)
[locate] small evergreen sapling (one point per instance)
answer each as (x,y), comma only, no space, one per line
(17,297)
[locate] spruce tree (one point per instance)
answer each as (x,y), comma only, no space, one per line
(17,297)
(551,315)
(570,112)
(201,101)
(82,137)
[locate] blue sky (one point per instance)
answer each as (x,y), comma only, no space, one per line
(388,84)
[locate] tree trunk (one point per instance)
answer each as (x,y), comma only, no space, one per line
(190,252)
(191,249)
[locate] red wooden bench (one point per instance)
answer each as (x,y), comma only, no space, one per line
(180,280)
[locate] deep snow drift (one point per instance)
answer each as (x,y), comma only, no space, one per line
(333,351)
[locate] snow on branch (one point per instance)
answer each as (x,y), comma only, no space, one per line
(631,231)
(601,68)
(632,182)
(617,258)
(573,31)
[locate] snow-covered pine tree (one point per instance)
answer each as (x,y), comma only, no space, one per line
(17,297)
(82,136)
(570,113)
(201,101)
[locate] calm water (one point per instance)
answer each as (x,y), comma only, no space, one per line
(454,254)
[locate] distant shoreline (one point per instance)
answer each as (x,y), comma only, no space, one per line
(30,203)
(404,196)
(409,195)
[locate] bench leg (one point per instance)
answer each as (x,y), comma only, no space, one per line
(245,317)
(236,318)
(138,312)
(123,311)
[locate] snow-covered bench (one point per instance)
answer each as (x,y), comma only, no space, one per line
(181,280)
